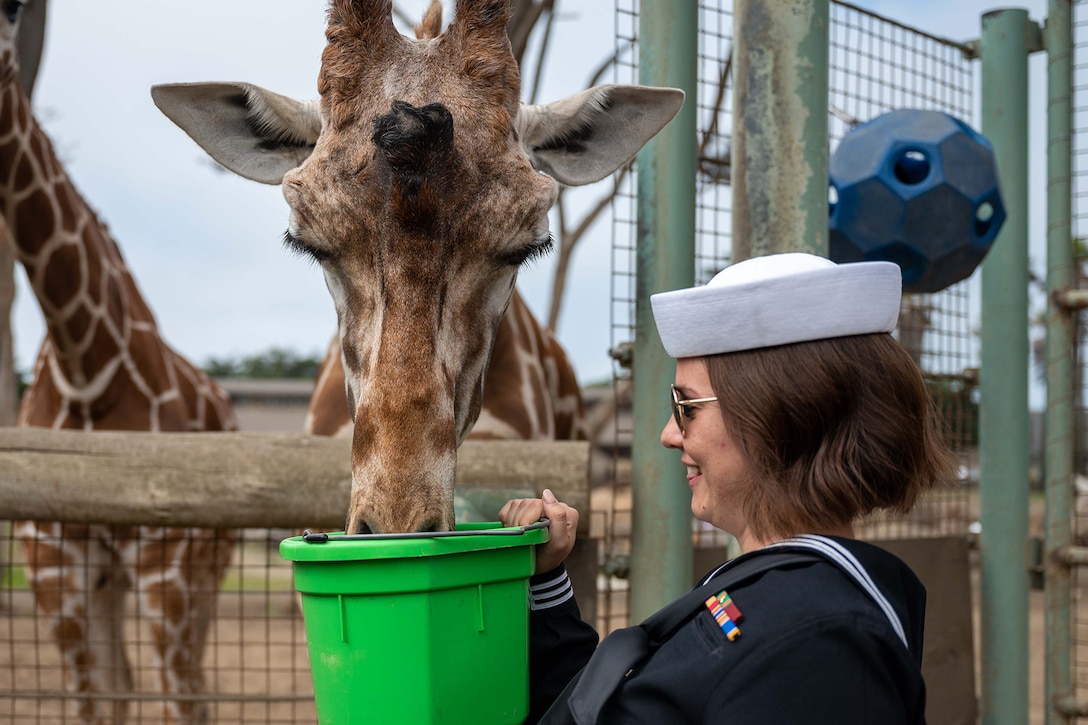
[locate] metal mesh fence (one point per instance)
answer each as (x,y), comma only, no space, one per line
(1079,654)
(254,665)
(876,65)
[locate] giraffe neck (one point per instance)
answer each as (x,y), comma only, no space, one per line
(103,363)
(89,300)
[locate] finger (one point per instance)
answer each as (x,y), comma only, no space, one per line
(521,512)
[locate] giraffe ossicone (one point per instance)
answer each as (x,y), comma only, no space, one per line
(420,184)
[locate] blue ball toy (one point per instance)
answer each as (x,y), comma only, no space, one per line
(918,188)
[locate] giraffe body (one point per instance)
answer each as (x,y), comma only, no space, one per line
(420,184)
(103,366)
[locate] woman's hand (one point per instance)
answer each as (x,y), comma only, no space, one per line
(562,527)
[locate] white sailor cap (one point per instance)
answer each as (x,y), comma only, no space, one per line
(776,300)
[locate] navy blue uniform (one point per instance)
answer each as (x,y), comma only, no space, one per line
(813,648)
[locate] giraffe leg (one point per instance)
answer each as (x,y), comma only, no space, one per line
(180,575)
(79,589)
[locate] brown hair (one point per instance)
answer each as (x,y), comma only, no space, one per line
(831,430)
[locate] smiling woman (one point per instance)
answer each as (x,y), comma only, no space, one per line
(795,413)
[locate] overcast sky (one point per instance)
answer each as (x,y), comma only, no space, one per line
(204,245)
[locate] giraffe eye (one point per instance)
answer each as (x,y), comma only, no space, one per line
(12,8)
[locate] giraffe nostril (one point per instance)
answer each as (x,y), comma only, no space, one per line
(360,526)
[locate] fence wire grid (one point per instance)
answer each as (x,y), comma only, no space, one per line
(1079,654)
(254,665)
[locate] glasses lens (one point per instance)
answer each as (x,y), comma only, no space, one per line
(677,413)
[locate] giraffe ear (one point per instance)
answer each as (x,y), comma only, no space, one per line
(587,136)
(253,132)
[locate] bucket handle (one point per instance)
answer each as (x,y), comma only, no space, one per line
(319,538)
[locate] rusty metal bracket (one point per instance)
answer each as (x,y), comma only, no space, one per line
(1070,299)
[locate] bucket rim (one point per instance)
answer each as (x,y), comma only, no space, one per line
(467,537)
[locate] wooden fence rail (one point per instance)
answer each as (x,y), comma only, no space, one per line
(236,480)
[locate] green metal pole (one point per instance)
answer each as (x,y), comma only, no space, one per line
(1003,418)
(779,173)
(1060,375)
(661,516)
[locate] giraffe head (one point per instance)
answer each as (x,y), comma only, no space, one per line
(420,185)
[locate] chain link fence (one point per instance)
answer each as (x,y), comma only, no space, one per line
(1078,657)
(254,666)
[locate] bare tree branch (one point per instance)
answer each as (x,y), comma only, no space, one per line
(570,239)
(538,72)
(714,166)
(595,78)
(717,167)
(523,22)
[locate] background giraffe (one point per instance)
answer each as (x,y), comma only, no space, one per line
(420,184)
(103,366)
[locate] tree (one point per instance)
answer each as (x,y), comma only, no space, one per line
(276,362)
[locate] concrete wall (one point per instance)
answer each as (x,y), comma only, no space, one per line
(269,406)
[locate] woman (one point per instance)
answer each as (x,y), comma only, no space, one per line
(795,413)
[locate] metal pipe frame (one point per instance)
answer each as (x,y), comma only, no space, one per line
(661,509)
(780,131)
(1003,417)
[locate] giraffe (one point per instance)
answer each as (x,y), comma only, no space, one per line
(420,184)
(103,365)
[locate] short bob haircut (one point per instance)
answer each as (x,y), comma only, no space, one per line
(831,430)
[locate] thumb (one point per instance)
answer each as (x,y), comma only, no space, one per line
(562,524)
(554,510)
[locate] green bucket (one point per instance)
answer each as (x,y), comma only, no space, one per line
(418,629)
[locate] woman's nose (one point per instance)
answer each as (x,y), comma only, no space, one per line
(671,437)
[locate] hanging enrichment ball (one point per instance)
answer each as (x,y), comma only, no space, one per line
(918,188)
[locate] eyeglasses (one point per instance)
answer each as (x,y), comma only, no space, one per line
(680,408)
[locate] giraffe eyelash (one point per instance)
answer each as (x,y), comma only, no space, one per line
(529,253)
(297,246)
